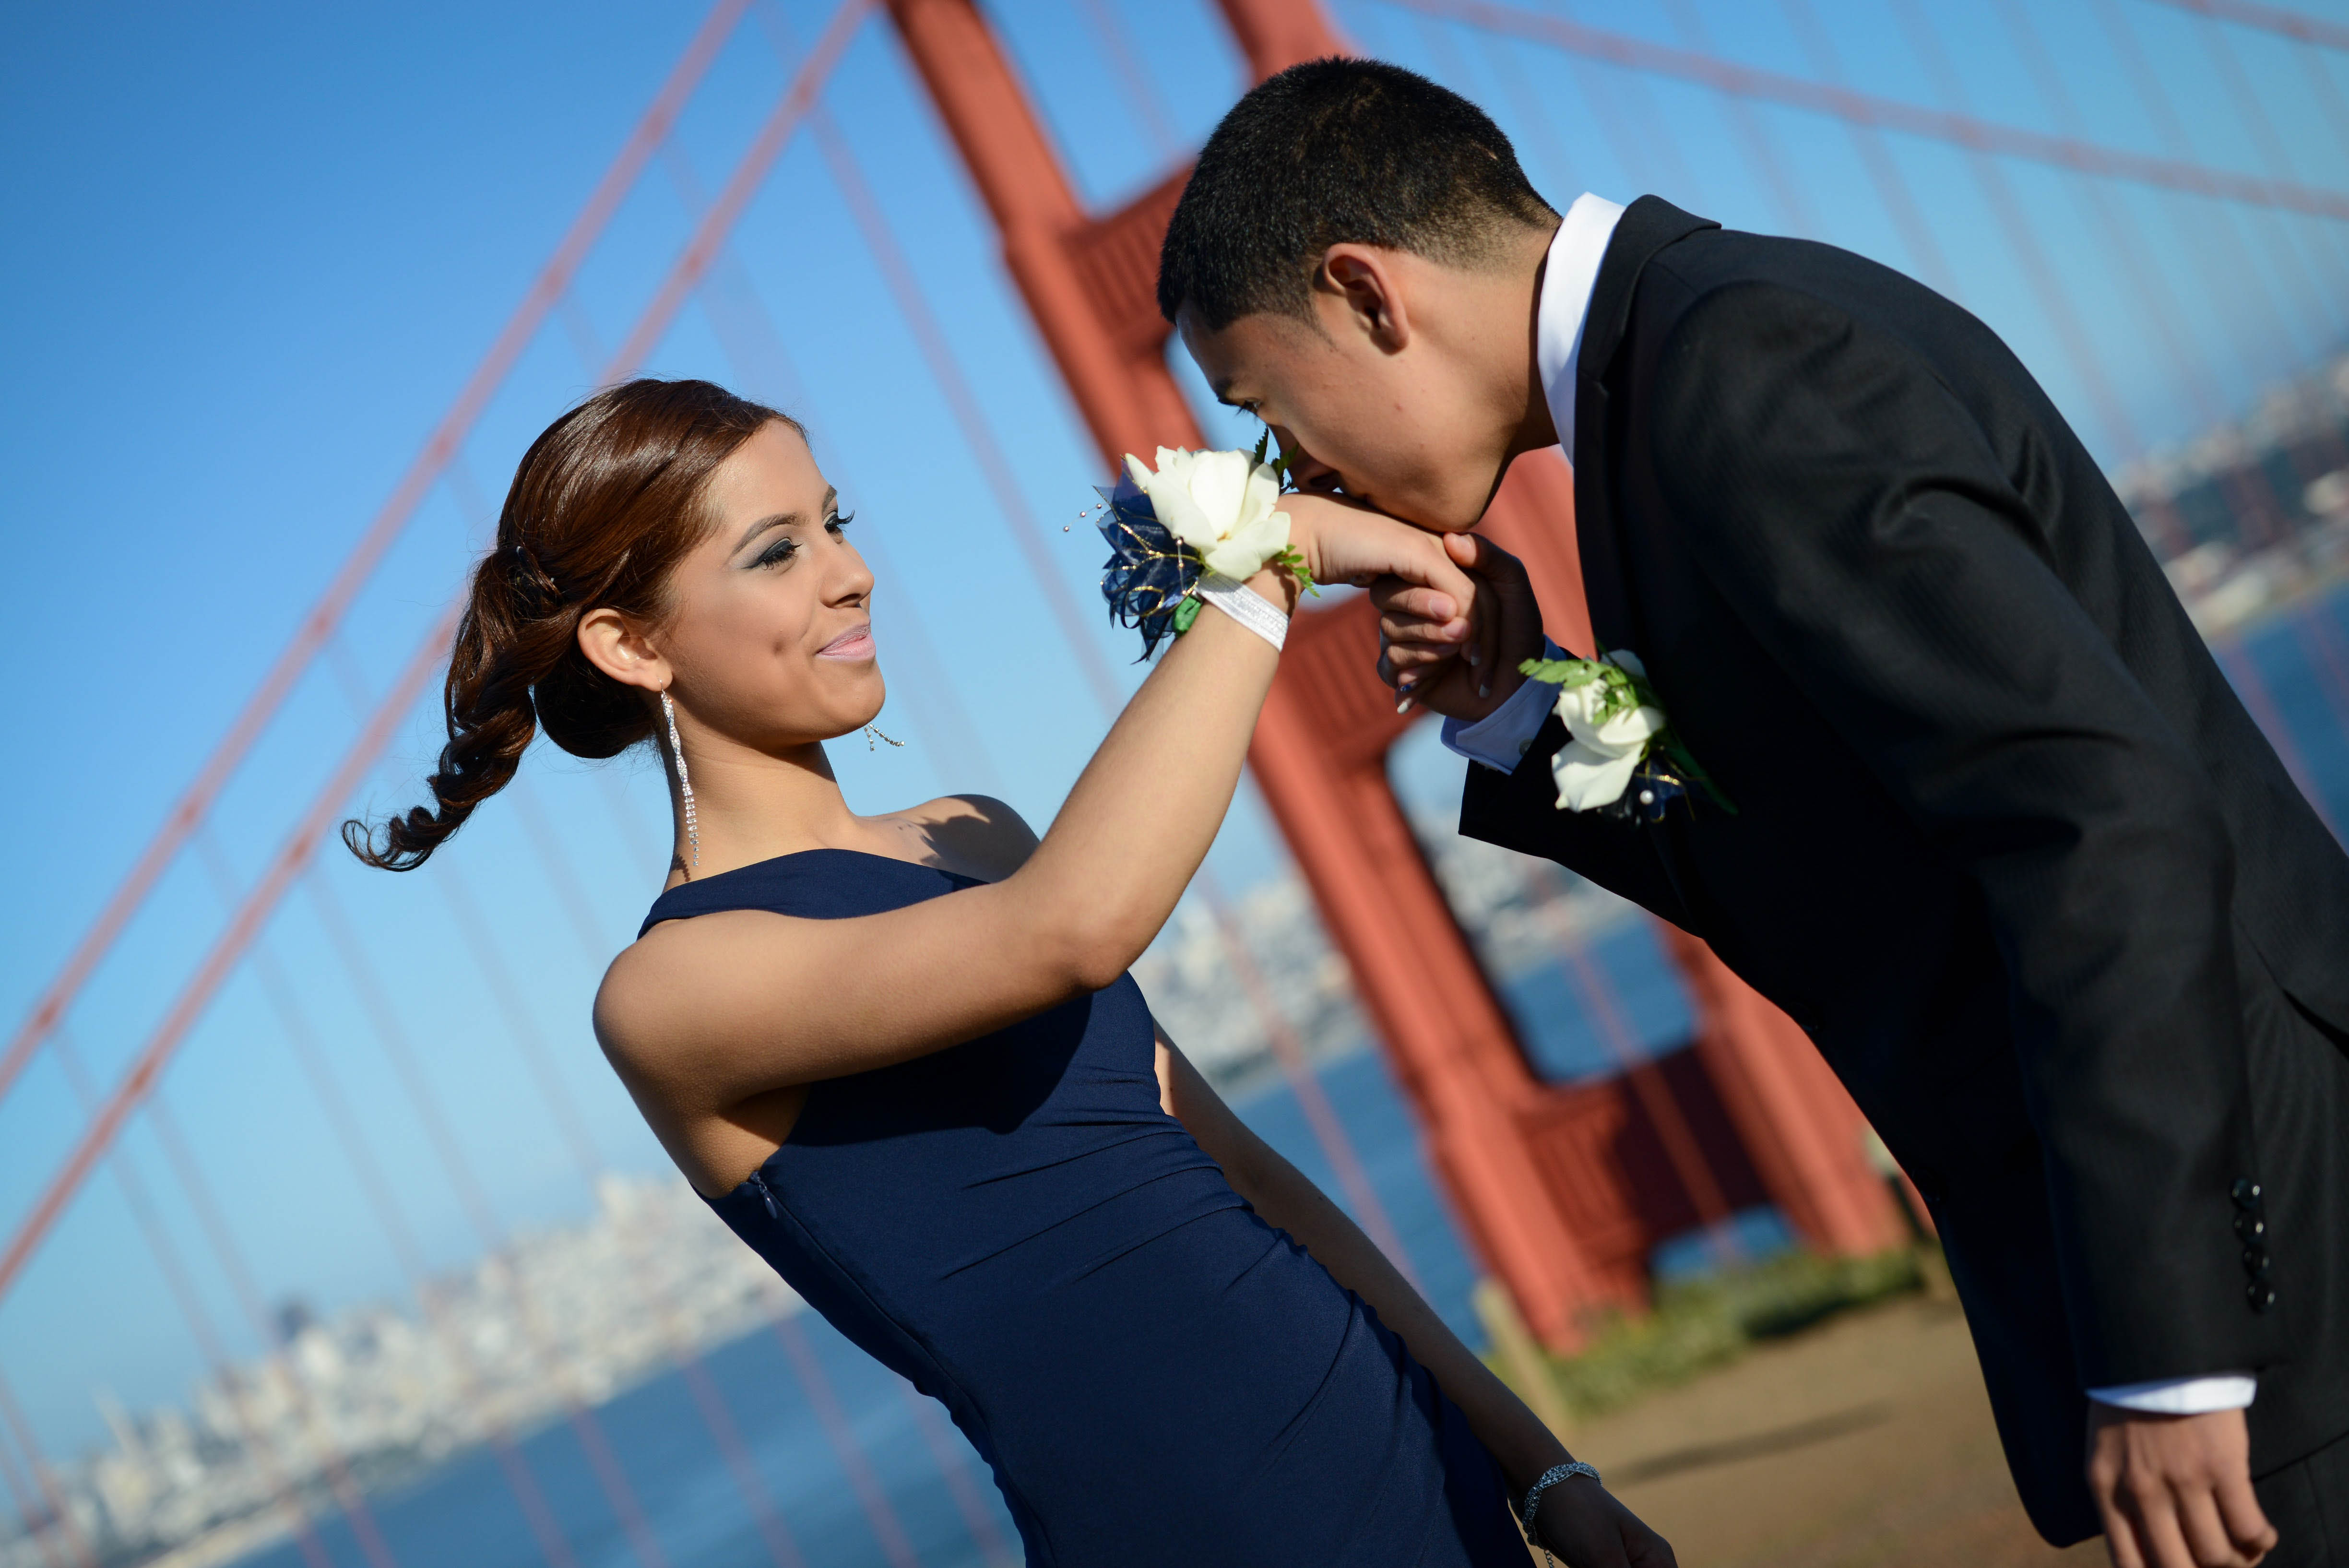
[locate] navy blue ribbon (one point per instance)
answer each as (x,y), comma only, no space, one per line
(1149,572)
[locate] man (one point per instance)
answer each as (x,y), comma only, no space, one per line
(2002,841)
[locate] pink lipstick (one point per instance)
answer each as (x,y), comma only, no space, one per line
(853,643)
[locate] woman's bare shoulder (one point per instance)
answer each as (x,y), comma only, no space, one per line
(976,835)
(663,985)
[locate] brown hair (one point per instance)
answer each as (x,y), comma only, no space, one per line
(603,506)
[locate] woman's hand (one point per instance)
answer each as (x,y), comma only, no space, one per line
(1583,1526)
(1428,659)
(1344,543)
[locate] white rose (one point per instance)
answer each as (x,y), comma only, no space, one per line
(1221,503)
(1595,765)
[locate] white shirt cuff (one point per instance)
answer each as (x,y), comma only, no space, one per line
(2182,1395)
(1502,737)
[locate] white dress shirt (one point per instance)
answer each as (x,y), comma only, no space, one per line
(1504,736)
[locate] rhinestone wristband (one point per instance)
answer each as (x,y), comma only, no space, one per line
(1549,1477)
(1246,605)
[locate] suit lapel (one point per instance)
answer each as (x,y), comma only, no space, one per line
(1647,226)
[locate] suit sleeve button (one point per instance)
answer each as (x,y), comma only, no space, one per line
(2250,1227)
(2262,1296)
(2255,1264)
(2245,1193)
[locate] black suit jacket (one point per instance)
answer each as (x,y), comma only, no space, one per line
(2008,847)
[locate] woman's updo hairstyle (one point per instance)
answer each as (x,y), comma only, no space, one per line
(605,504)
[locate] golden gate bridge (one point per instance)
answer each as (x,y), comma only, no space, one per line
(1563,1191)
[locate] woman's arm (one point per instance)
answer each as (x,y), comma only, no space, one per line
(708,1013)
(1280,1193)
(1579,1519)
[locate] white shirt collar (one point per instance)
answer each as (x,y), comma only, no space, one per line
(1567,279)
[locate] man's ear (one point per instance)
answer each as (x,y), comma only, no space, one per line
(616,645)
(1361,294)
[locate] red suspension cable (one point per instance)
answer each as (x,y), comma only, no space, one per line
(2022,240)
(553,282)
(472,1197)
(200,1324)
(227,950)
(746,336)
(1754,137)
(2293,25)
(482,941)
(1892,186)
(952,1465)
(13,1415)
(1889,114)
(962,401)
(2219,57)
(221,960)
(773,136)
(376,1187)
(710,1404)
(2261,506)
(28,1509)
(878,1513)
(1142,92)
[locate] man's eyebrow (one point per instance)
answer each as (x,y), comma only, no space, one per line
(1222,390)
(787,519)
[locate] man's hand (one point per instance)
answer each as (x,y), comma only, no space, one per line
(1344,543)
(1442,664)
(2175,1491)
(1583,1527)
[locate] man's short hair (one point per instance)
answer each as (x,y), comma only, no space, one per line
(1329,151)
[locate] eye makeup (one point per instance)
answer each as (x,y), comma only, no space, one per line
(779,550)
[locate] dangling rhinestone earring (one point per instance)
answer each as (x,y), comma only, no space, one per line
(870,732)
(684,782)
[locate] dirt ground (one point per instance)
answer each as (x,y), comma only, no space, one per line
(1865,1441)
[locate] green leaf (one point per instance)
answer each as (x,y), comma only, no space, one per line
(1568,673)
(1278,460)
(1185,613)
(1293,561)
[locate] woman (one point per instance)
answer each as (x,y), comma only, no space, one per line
(901,1057)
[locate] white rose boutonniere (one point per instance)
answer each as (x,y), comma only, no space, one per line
(1621,758)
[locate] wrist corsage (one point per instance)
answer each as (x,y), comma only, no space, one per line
(1197,522)
(1621,758)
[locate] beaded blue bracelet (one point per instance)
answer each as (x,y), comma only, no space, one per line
(1534,1495)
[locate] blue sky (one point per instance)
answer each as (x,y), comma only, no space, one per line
(253,251)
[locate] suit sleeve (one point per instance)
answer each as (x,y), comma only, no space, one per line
(1518,810)
(1854,517)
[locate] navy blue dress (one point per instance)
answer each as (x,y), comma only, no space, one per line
(1154,1374)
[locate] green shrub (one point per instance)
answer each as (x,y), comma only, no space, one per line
(1703,1323)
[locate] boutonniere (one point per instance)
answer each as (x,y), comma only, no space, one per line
(1621,758)
(1196,515)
